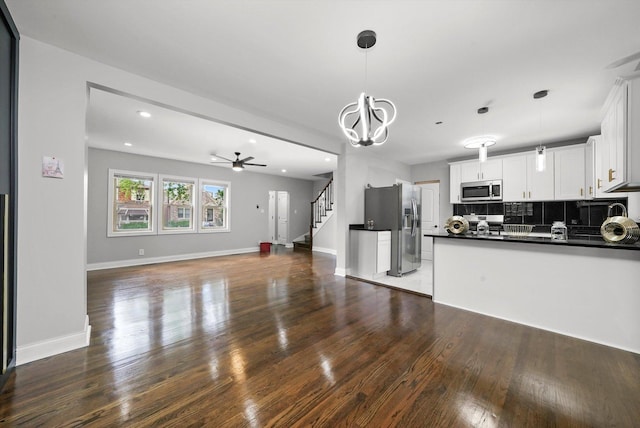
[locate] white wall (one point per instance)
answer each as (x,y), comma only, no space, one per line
(436,171)
(358,167)
(51,308)
(249,224)
(325,240)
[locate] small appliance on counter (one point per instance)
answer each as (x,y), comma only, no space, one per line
(619,229)
(558,231)
(456,225)
(482,228)
(484,225)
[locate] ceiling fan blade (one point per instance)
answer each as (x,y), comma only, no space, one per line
(254,164)
(221,157)
(247,159)
(222,162)
(624,60)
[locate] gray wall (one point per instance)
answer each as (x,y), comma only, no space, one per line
(249,224)
(436,171)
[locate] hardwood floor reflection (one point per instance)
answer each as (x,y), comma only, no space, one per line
(278,340)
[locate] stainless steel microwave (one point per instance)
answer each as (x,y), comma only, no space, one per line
(481,191)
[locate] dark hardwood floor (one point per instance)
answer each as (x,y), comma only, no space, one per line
(277,340)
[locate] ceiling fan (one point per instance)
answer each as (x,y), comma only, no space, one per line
(237,164)
(626,60)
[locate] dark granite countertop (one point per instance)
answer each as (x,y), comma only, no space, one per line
(361,227)
(582,241)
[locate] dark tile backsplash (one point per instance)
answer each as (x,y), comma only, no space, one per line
(583,215)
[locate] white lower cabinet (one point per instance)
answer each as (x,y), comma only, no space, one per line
(370,253)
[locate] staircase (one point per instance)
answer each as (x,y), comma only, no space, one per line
(321,210)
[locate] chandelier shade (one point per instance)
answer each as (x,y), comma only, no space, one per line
(366,122)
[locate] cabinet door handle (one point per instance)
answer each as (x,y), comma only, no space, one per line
(591,190)
(529,194)
(523,195)
(599,184)
(611,172)
(581,192)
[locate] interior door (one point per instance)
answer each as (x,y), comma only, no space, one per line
(283,217)
(272,217)
(430,216)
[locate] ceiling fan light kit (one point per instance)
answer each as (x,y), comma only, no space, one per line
(373,115)
(237,164)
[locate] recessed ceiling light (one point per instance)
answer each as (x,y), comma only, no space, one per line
(128,144)
(144,114)
(327,159)
(213,158)
(284,170)
(252,141)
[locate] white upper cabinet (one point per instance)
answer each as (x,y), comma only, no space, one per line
(540,183)
(521,181)
(621,135)
(569,170)
(514,178)
(596,169)
(474,170)
(454,183)
(590,169)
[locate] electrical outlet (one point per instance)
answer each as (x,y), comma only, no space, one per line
(141,252)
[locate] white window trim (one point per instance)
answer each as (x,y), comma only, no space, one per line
(196,203)
(111,233)
(201,183)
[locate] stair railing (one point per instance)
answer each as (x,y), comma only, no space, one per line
(319,207)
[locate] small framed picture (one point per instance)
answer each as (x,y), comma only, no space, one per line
(52,167)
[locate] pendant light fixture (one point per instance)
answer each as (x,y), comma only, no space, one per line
(482,142)
(541,151)
(371,116)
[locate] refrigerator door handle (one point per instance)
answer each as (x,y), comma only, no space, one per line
(414,212)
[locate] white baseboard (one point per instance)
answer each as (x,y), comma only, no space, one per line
(58,345)
(341,272)
(165,259)
(325,250)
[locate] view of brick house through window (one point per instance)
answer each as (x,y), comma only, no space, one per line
(213,203)
(133,203)
(178,199)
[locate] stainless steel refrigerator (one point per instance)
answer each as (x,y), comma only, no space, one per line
(397,208)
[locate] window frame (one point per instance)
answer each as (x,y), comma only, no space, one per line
(227,206)
(194,204)
(147,176)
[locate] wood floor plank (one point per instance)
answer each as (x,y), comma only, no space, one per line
(279,341)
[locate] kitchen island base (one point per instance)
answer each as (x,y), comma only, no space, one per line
(588,293)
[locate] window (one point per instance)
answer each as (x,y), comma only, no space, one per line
(214,206)
(131,203)
(178,201)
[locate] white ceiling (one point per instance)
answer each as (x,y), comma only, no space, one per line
(113,119)
(297,61)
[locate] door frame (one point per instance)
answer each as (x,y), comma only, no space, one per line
(9,262)
(427,242)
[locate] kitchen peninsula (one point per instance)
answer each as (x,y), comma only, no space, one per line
(583,288)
